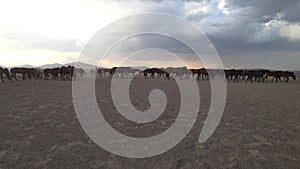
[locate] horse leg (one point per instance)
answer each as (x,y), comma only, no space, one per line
(198,76)
(15,75)
(168,76)
(2,77)
(235,79)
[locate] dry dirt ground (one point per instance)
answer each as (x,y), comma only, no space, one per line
(259,129)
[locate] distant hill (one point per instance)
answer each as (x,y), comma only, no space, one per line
(26,66)
(82,65)
(140,67)
(54,65)
(297,73)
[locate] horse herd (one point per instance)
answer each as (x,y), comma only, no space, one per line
(63,73)
(204,74)
(70,73)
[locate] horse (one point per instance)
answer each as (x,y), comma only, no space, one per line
(122,71)
(287,74)
(39,73)
(24,71)
(6,72)
(112,71)
(204,74)
(258,75)
(80,71)
(99,72)
(160,73)
(67,73)
(54,72)
(233,74)
(146,72)
(181,72)
(134,72)
(276,75)
(195,72)
(104,72)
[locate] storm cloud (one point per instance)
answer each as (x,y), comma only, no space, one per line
(245,33)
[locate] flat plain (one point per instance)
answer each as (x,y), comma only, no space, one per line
(259,129)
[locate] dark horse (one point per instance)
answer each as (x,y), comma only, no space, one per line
(31,72)
(54,72)
(258,75)
(67,73)
(6,72)
(233,74)
(159,72)
(200,73)
(112,71)
(287,74)
(103,72)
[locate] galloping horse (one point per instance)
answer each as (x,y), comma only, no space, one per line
(6,72)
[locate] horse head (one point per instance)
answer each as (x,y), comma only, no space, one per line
(294,76)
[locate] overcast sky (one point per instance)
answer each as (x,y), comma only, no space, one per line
(254,33)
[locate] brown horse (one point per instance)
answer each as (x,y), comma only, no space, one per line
(112,71)
(67,73)
(258,75)
(195,72)
(204,74)
(287,74)
(6,72)
(160,73)
(233,74)
(31,72)
(54,72)
(276,75)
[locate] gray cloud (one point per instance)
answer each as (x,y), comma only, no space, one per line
(250,34)
(197,16)
(268,9)
(241,37)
